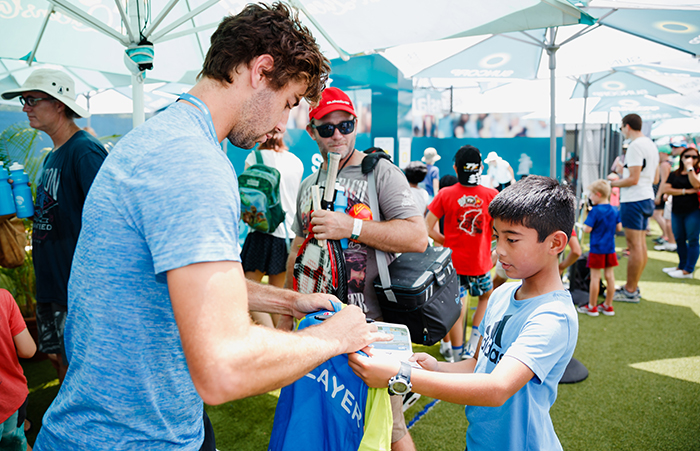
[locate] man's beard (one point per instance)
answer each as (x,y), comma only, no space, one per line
(245,134)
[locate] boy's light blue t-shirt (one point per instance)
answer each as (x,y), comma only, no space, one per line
(540,332)
(165,197)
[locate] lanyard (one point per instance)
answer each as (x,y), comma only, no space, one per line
(203,108)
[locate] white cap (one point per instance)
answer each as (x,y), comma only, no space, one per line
(53,82)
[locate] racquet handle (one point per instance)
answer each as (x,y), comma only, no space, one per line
(333,161)
(316,197)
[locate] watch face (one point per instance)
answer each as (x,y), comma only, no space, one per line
(399,387)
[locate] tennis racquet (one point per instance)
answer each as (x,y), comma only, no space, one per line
(320,264)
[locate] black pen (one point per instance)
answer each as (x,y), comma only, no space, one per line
(325,317)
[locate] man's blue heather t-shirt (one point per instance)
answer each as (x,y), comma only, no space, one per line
(603,219)
(165,197)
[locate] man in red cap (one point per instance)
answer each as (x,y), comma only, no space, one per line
(332,125)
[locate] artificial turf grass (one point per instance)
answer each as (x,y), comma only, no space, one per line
(619,407)
(43,388)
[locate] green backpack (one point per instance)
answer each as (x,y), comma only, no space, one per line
(259,188)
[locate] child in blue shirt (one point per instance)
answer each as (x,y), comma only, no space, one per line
(529,331)
(602,222)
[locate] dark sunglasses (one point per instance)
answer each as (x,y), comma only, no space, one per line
(694,157)
(32,101)
(327,130)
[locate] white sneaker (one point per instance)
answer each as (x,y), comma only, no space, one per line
(666,247)
(679,274)
(671,269)
(446,351)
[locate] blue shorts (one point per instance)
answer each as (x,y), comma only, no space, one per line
(476,285)
(635,215)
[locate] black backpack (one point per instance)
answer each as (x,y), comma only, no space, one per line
(580,281)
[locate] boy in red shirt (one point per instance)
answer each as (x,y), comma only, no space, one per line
(465,207)
(15,341)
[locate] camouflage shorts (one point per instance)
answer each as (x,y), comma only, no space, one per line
(476,285)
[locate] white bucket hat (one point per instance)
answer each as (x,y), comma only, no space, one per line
(492,156)
(55,83)
(430,155)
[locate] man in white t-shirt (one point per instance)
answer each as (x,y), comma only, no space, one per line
(636,201)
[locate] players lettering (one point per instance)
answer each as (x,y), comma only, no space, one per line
(348,399)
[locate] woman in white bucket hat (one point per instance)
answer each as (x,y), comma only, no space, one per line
(48,97)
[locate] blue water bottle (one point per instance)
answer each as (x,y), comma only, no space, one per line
(340,205)
(7,200)
(21,191)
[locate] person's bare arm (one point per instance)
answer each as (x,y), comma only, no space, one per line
(436,186)
(693,178)
(230,358)
(668,189)
(574,253)
(24,344)
(632,180)
(394,235)
(479,389)
(587,228)
(434,232)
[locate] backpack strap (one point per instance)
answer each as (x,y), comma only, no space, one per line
(259,157)
(382,266)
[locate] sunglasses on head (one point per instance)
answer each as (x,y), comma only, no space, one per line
(327,130)
(32,101)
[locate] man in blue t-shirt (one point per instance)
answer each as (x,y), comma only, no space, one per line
(158,321)
(48,97)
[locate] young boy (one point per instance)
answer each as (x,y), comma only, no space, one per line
(467,232)
(529,331)
(15,341)
(602,222)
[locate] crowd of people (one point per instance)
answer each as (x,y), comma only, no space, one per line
(148,309)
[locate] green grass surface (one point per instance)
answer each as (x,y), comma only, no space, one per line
(642,393)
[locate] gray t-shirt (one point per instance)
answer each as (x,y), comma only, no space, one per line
(395,202)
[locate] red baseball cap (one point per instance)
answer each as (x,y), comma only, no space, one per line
(332,99)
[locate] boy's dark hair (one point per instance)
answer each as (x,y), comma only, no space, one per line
(634,121)
(415,172)
(268,30)
(537,202)
(448,180)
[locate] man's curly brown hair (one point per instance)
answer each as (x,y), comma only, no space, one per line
(268,30)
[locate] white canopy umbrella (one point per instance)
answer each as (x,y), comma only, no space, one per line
(94,34)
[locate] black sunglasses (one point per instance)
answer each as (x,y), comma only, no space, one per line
(694,157)
(327,130)
(32,101)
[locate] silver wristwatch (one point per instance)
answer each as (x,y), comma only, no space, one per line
(401,383)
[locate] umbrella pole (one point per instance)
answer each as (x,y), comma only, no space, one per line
(137,98)
(551,50)
(582,154)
